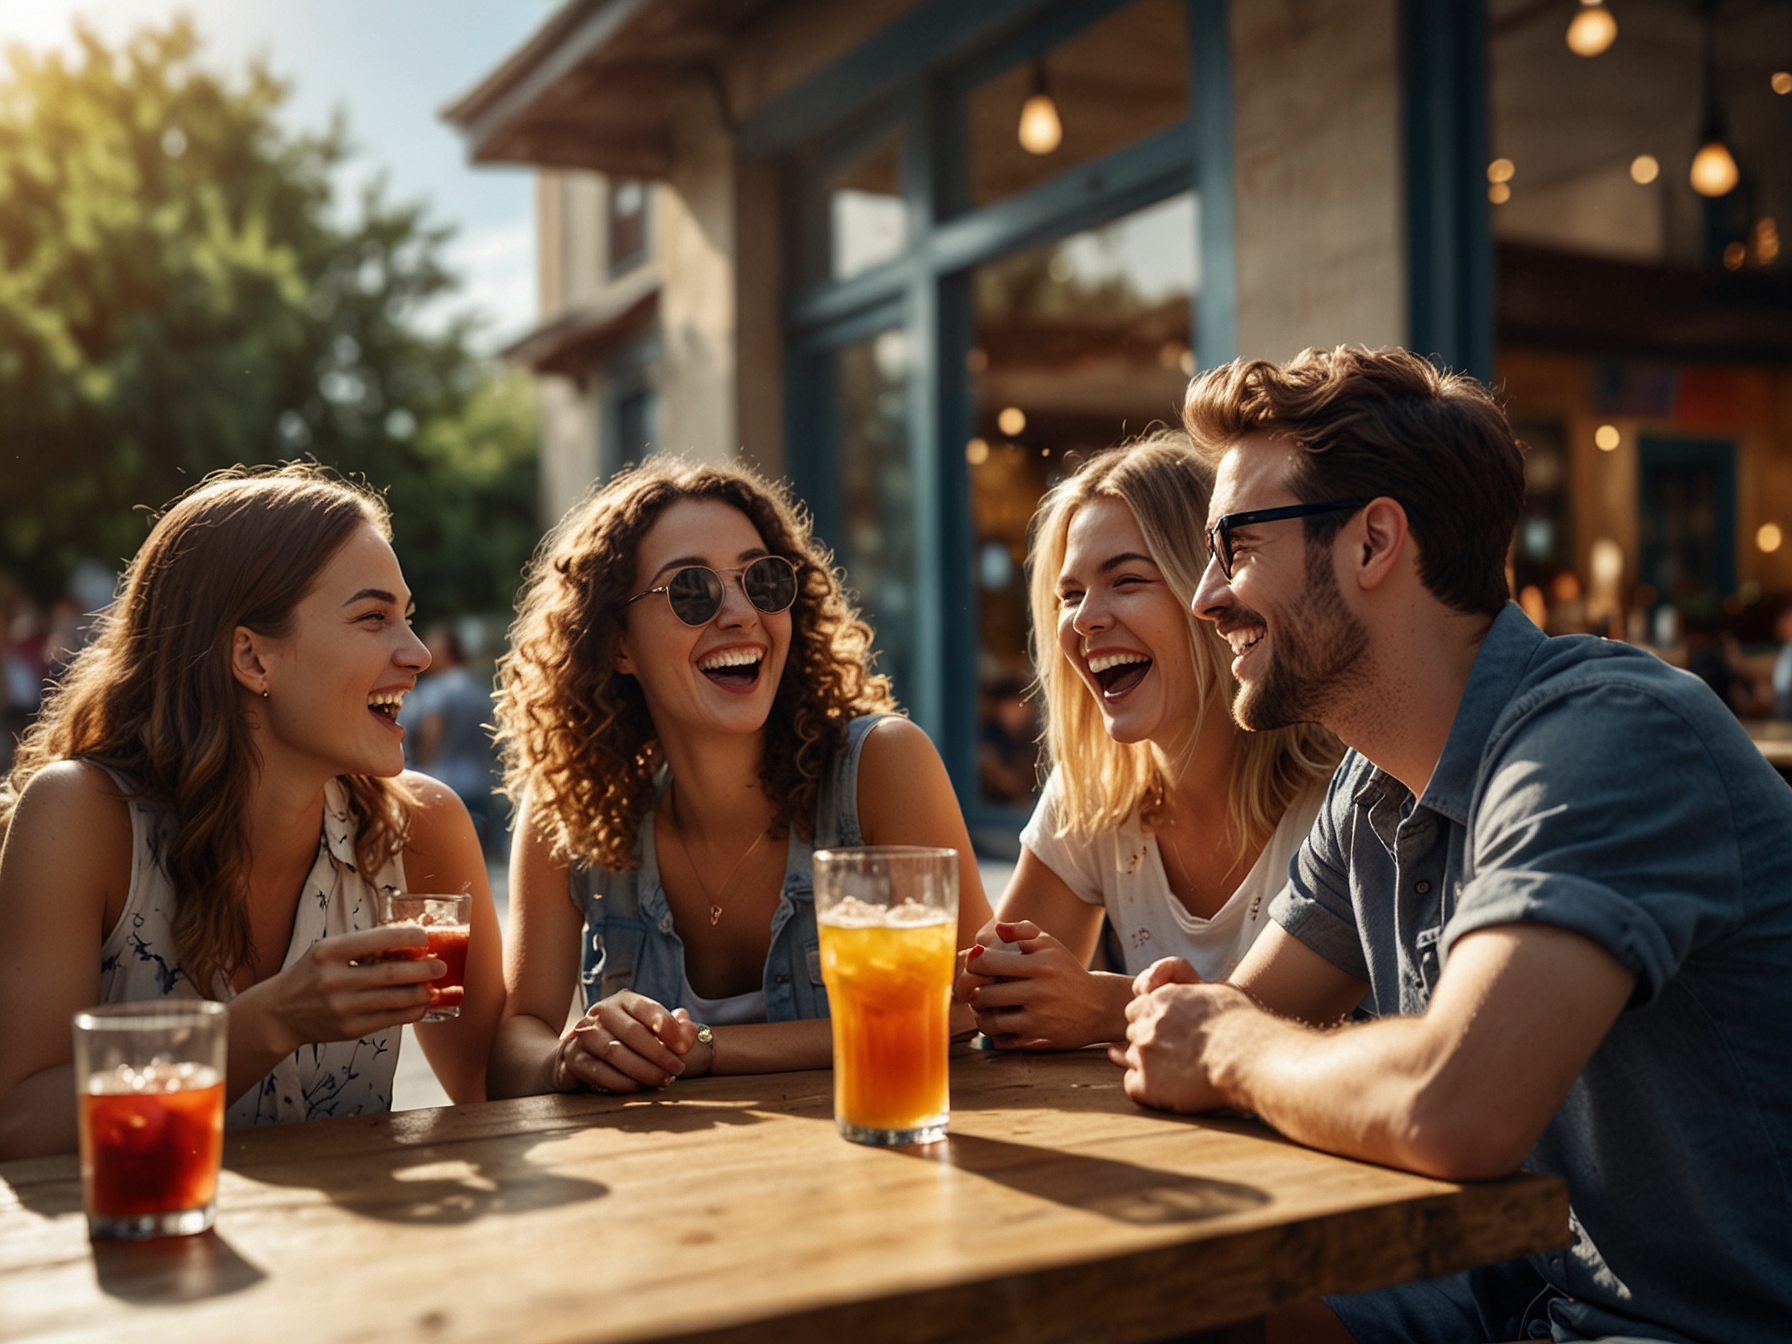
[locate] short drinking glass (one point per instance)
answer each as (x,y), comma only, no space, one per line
(444,921)
(888,918)
(149,1078)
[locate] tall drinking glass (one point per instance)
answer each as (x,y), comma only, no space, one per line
(149,1078)
(444,920)
(888,918)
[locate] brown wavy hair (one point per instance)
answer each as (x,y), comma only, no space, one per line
(153,697)
(574,732)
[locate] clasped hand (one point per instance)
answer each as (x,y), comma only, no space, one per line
(1039,996)
(626,1043)
(341,989)
(1172,1028)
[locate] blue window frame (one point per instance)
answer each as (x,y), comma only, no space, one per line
(890,116)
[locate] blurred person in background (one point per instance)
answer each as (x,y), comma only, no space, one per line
(1159,810)
(208,804)
(1007,740)
(688,710)
(453,742)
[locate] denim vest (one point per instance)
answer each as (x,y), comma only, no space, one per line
(629,941)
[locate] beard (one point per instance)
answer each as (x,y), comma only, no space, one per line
(1318,656)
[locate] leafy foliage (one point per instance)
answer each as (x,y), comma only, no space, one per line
(180,290)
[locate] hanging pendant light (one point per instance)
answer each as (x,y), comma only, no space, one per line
(1592,30)
(1714,172)
(1040,130)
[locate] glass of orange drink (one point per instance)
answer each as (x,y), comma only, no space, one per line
(444,919)
(888,919)
(149,1079)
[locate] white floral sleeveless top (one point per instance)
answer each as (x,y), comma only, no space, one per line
(138,962)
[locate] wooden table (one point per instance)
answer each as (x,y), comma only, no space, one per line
(728,1209)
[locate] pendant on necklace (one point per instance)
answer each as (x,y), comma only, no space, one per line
(715,915)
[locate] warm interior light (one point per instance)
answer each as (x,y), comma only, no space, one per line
(1767,241)
(1607,437)
(1040,130)
(1606,563)
(976,452)
(1782,81)
(1734,255)
(1592,30)
(1501,170)
(1011,421)
(1499,193)
(1644,169)
(1769,537)
(1713,170)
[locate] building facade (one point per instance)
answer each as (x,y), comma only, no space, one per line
(921,256)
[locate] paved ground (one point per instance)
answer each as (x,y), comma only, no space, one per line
(415,1086)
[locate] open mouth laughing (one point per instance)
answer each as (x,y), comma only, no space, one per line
(1119,672)
(386,704)
(735,669)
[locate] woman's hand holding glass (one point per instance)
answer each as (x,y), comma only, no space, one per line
(626,1043)
(339,990)
(1039,995)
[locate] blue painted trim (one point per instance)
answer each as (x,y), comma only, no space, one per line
(1449,235)
(1215,324)
(1129,179)
(1053,25)
(876,69)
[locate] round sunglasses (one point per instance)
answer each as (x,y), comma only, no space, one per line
(695,592)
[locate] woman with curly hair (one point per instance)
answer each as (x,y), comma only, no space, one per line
(687,712)
(1159,811)
(211,800)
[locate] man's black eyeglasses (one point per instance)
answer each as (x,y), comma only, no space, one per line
(1219,540)
(695,592)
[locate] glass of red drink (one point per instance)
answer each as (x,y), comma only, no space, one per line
(444,920)
(149,1081)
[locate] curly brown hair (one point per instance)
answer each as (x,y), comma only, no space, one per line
(153,697)
(574,732)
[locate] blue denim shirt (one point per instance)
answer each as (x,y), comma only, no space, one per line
(630,941)
(1587,785)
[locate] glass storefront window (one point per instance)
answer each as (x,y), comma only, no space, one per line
(867,218)
(1080,344)
(877,537)
(1111,85)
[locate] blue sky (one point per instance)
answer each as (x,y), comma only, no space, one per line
(389,64)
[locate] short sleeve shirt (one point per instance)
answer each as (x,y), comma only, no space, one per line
(1589,786)
(1123,870)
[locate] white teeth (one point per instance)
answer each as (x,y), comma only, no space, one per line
(730,658)
(1107,660)
(392,698)
(1240,640)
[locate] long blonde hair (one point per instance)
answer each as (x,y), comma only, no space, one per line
(153,697)
(575,734)
(1167,487)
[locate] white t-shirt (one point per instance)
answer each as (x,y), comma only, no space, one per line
(1122,870)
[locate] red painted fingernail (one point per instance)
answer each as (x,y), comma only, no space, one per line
(975,952)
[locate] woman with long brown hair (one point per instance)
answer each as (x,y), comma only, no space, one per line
(1159,812)
(688,710)
(209,803)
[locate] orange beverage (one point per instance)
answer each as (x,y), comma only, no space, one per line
(889,979)
(151,1139)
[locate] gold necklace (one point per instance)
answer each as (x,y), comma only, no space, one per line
(715,908)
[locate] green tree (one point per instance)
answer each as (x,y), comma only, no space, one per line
(180,290)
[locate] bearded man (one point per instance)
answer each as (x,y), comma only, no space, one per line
(1559,865)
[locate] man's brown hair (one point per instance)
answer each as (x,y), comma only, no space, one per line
(1384,422)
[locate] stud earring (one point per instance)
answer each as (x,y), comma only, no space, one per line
(264,693)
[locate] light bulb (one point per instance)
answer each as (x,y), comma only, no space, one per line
(1012,421)
(1040,130)
(1644,169)
(1713,170)
(1592,30)
(1769,537)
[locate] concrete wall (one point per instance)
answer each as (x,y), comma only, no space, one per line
(1321,256)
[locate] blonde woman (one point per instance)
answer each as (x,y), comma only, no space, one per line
(688,711)
(1159,811)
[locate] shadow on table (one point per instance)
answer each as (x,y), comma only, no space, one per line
(455,1182)
(166,1270)
(1123,1191)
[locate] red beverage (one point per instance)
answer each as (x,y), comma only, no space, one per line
(447,944)
(151,1139)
